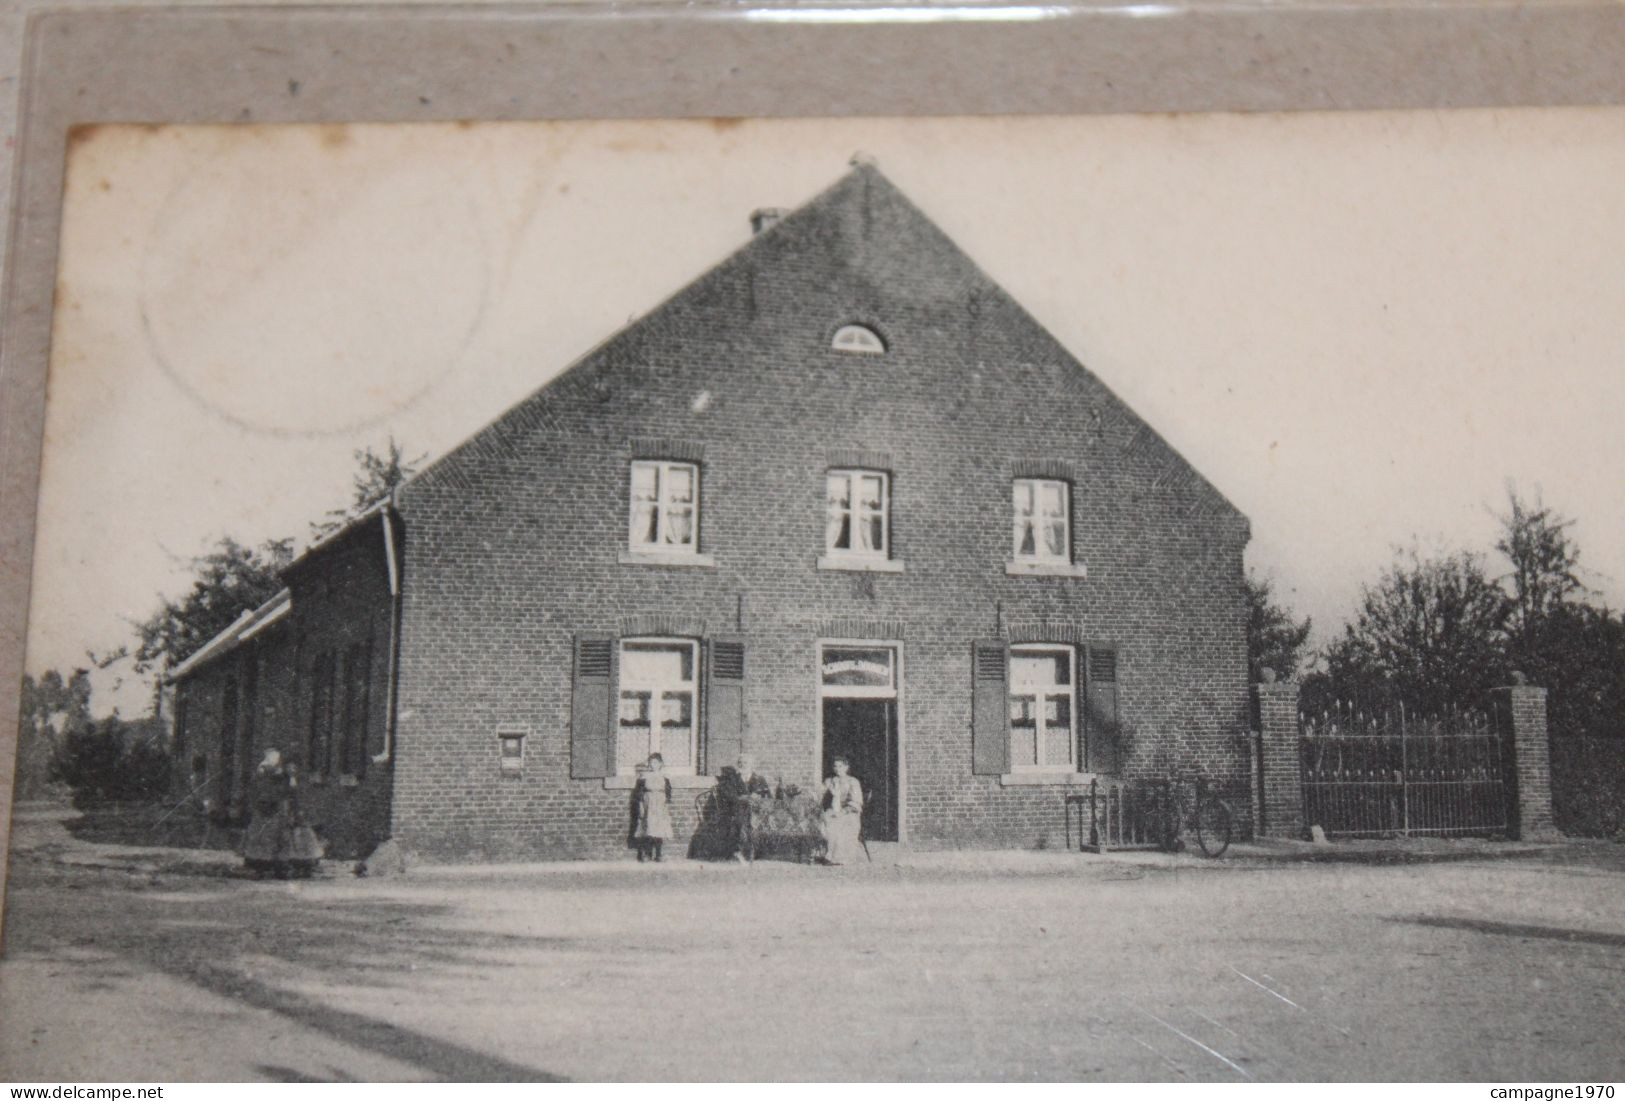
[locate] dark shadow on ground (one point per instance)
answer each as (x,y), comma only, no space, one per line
(275,1073)
(201,936)
(1380,856)
(162,825)
(449,1061)
(1532,932)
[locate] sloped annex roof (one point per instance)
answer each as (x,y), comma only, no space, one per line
(888,259)
(252,622)
(243,628)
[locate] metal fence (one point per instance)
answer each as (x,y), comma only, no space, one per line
(1379,774)
(1121,814)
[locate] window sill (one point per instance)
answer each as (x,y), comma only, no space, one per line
(859,565)
(1017,568)
(665,558)
(1043,778)
(679,782)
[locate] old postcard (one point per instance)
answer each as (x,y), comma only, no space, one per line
(1046,598)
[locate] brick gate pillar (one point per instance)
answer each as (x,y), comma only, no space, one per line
(1279,767)
(1521,714)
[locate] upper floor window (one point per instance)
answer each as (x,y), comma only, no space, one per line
(665,507)
(1042,515)
(859,339)
(858,519)
(658,704)
(1042,705)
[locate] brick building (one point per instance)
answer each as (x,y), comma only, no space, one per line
(840,494)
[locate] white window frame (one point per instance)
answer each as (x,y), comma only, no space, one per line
(663,504)
(1041,728)
(887,691)
(656,690)
(858,339)
(857,515)
(1040,553)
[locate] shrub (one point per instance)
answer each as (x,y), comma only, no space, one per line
(112,761)
(1588,786)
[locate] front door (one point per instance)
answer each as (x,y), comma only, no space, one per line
(864,731)
(859,689)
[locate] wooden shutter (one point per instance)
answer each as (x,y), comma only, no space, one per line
(990,708)
(724,704)
(1101,722)
(592,710)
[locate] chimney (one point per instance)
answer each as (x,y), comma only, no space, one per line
(766,218)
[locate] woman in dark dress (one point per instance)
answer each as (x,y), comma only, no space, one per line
(265,840)
(304,849)
(278,839)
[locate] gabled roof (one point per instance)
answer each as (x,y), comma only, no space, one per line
(243,628)
(863,240)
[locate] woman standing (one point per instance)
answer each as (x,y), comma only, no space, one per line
(304,849)
(265,840)
(652,800)
(843,814)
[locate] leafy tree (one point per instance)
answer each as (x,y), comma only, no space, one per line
(1578,656)
(1573,649)
(231,579)
(376,477)
(53,710)
(1428,635)
(1275,640)
(1545,572)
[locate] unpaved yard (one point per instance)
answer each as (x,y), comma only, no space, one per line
(1021,966)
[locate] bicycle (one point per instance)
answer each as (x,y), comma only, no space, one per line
(1209,817)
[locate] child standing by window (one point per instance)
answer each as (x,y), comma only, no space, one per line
(651,800)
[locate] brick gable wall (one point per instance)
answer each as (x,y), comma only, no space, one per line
(513,543)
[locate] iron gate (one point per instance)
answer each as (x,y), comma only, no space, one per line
(1380,774)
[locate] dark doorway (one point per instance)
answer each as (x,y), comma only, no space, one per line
(864,731)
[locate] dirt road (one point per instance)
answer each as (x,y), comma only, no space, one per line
(1021,966)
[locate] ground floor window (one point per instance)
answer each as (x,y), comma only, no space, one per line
(1043,732)
(658,708)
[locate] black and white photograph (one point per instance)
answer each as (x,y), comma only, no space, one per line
(1114,598)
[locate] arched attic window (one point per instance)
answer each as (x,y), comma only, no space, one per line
(859,340)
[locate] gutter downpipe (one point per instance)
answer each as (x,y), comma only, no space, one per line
(391,558)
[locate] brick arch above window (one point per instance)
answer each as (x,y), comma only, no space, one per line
(686,451)
(663,624)
(858,457)
(1019,631)
(859,627)
(1058,469)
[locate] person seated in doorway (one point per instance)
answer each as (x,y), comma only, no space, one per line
(734,788)
(843,814)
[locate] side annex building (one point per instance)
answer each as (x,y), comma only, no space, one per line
(840,494)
